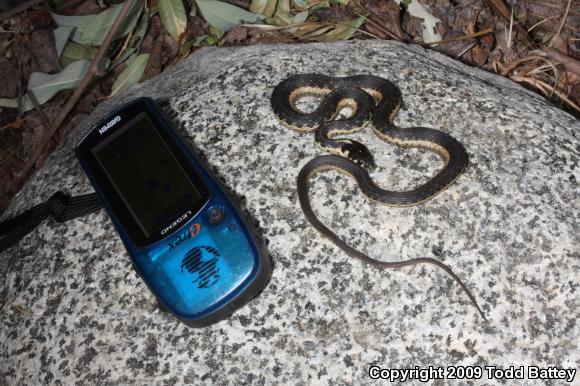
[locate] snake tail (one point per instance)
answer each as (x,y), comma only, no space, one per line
(332,162)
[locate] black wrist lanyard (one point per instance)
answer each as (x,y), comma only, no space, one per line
(61,206)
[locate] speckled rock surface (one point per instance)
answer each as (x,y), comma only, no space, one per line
(73,311)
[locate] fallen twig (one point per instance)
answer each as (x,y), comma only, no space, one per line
(92,72)
(45,121)
(268,27)
(360,10)
(463,37)
(511,66)
(509,35)
(14,125)
(557,34)
(20,92)
(542,85)
(540,23)
(499,7)
(569,63)
(384,30)
(469,47)
(530,58)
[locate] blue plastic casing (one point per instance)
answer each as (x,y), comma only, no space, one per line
(207,262)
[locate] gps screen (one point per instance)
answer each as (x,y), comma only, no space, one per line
(147,176)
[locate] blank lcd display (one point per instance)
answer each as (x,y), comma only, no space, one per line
(149,179)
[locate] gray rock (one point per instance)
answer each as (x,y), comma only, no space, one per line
(73,311)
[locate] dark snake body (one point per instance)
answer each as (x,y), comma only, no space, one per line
(376,100)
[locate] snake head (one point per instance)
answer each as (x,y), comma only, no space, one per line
(359,154)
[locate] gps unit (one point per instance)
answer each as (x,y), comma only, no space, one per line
(187,239)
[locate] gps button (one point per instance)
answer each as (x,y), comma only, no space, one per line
(215,215)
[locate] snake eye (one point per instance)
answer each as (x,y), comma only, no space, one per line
(367,164)
(359,154)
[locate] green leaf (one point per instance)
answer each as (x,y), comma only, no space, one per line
(61,35)
(71,21)
(520,14)
(185,49)
(224,16)
(130,75)
(45,86)
(173,17)
(76,22)
(198,40)
(92,29)
(211,40)
(342,31)
(99,26)
(216,33)
(316,5)
(12,103)
(282,16)
(263,7)
(135,41)
(298,19)
(74,51)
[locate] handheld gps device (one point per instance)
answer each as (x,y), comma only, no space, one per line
(186,238)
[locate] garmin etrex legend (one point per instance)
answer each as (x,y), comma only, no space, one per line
(186,238)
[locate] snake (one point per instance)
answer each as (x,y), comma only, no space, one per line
(376,101)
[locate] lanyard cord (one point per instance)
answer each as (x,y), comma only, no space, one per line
(61,206)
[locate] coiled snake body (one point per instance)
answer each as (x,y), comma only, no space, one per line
(376,100)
